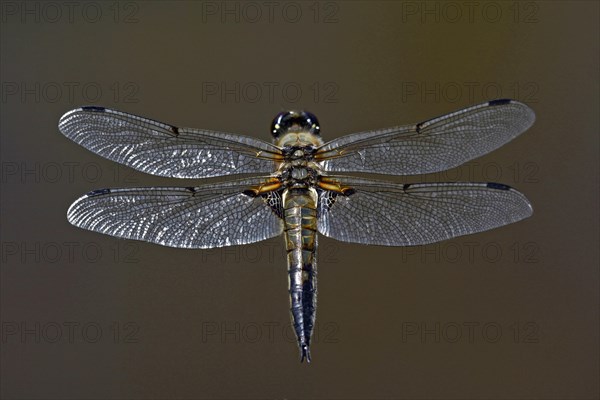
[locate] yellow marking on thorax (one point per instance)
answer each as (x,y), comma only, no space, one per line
(268,186)
(333,185)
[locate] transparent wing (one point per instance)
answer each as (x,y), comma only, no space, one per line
(195,217)
(435,145)
(165,150)
(390,214)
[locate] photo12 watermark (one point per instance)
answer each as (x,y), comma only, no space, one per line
(68,252)
(470,12)
(69,332)
(270,12)
(470,332)
(269,92)
(264,332)
(65,172)
(69,92)
(69,12)
(474,252)
(265,253)
(467,92)
(513,173)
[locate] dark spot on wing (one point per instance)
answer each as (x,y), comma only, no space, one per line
(499,102)
(175,130)
(406,186)
(191,189)
(275,201)
(93,108)
(326,200)
(349,191)
(249,193)
(498,186)
(98,192)
(418,127)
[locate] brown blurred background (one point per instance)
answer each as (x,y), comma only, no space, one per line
(510,313)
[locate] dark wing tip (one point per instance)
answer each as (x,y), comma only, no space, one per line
(93,108)
(66,115)
(73,213)
(498,186)
(527,206)
(528,111)
(98,192)
(498,102)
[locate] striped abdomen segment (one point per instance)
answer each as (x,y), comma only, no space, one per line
(300,218)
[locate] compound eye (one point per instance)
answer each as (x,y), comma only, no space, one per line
(277,126)
(312,123)
(294,121)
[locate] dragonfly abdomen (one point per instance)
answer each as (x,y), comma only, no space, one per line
(300,219)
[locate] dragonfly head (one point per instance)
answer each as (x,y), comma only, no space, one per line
(294,121)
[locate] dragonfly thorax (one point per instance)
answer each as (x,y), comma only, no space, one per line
(299,173)
(298,139)
(298,176)
(299,168)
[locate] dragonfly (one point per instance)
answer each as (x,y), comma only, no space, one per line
(296,186)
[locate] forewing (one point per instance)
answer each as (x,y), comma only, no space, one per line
(435,145)
(165,150)
(389,214)
(196,217)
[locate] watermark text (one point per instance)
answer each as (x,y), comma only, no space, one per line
(70,92)
(69,12)
(469,332)
(269,92)
(69,332)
